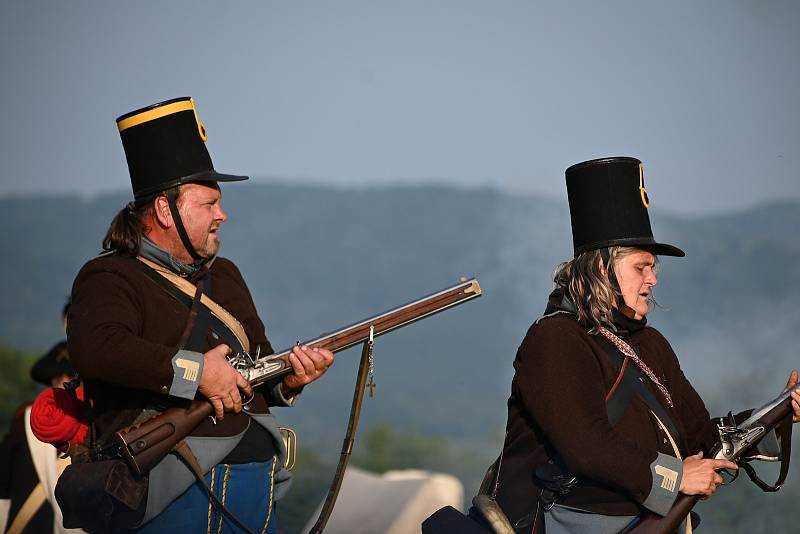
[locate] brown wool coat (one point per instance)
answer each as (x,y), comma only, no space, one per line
(123,331)
(558,400)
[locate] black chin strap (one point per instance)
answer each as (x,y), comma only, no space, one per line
(172,196)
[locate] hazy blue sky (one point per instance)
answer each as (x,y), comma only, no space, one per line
(500,93)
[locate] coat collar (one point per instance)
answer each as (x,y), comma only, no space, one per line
(559,302)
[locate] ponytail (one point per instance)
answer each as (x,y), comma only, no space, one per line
(130,224)
(126,230)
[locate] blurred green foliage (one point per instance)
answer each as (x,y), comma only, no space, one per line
(16,386)
(384,448)
(310,481)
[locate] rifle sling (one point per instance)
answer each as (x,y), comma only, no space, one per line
(349,440)
(784,431)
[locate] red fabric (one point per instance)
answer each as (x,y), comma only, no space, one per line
(56,417)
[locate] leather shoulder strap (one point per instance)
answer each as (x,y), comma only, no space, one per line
(29,508)
(184,291)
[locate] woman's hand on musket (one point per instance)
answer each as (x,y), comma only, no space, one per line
(700,475)
(795,396)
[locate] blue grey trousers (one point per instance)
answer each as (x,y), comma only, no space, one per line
(565,520)
(246,490)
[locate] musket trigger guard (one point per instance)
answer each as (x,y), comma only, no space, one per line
(729,477)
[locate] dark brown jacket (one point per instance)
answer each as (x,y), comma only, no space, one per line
(558,407)
(123,331)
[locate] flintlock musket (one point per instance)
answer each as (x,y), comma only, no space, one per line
(145,444)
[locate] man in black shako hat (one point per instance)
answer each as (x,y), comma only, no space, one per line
(569,415)
(137,347)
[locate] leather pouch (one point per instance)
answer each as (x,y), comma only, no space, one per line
(99,496)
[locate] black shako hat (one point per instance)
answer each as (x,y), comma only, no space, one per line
(165,146)
(608,206)
(52,365)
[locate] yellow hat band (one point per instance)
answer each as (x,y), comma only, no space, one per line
(156,113)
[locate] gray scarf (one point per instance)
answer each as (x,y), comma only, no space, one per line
(154,253)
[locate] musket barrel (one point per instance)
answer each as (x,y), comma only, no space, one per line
(277,364)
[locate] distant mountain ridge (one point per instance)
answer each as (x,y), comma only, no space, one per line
(316,258)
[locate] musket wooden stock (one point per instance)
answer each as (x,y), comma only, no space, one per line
(144,445)
(651,523)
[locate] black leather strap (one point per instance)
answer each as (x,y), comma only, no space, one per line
(785,439)
(617,404)
(633,384)
(172,200)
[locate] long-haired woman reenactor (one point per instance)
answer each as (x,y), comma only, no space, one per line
(602,423)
